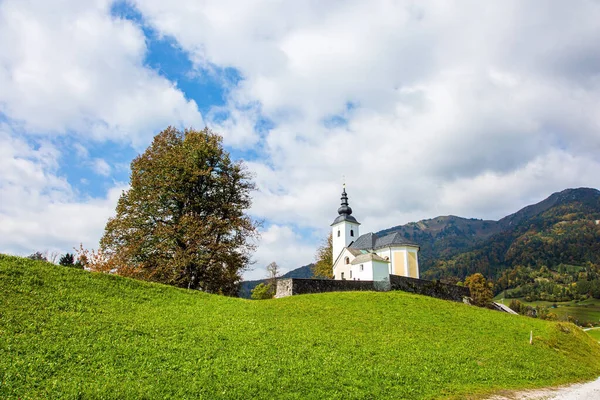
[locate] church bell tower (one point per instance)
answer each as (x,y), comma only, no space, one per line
(344,229)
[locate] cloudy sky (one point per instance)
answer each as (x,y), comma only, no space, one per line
(472,108)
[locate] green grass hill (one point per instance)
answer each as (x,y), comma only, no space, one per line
(67,333)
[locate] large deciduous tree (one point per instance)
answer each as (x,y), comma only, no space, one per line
(323,267)
(183,220)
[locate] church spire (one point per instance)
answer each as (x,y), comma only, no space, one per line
(345,208)
(345,212)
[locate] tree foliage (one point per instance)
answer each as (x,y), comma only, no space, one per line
(183,220)
(481,290)
(263,291)
(535,312)
(67,260)
(323,267)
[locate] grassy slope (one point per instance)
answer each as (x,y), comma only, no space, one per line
(67,333)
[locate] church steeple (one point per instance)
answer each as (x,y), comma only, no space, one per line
(345,208)
(344,229)
(345,211)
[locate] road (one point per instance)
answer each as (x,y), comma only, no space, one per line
(584,391)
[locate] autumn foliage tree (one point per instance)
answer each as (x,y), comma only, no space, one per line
(480,288)
(183,220)
(323,267)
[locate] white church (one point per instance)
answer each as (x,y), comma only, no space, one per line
(369,257)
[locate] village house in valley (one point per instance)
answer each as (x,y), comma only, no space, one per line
(369,257)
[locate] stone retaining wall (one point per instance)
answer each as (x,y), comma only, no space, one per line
(294,286)
(429,288)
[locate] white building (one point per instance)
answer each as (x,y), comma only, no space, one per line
(369,257)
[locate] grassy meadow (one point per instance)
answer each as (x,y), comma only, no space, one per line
(67,333)
(595,333)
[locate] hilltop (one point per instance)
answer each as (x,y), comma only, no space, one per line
(73,334)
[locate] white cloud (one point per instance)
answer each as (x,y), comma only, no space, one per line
(38,208)
(447,104)
(101,167)
(71,67)
(81,151)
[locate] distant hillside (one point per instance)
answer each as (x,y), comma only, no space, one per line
(559,230)
(67,333)
(247,286)
(445,236)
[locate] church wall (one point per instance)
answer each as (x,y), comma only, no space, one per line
(413,268)
(399,262)
(366,274)
(348,233)
(342,270)
(380,270)
(386,253)
(341,265)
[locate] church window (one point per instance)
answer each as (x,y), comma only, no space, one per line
(347,260)
(350,274)
(342,276)
(362,267)
(338,233)
(351,232)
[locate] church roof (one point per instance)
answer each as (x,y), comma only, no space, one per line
(355,252)
(365,242)
(368,257)
(345,217)
(370,241)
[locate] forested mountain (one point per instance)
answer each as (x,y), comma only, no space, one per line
(561,230)
(451,238)
(444,236)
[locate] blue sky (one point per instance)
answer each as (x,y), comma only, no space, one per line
(467,108)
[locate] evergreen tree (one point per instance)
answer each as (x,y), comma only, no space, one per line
(67,260)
